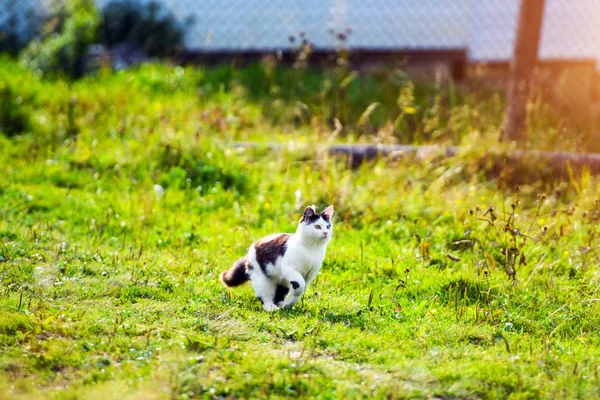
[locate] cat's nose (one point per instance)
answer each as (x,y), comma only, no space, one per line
(325,234)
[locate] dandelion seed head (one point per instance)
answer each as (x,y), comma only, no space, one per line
(159,191)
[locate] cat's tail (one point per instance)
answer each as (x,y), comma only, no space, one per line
(236,275)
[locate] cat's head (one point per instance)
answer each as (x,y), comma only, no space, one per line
(316,227)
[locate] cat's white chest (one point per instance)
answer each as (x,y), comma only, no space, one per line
(305,261)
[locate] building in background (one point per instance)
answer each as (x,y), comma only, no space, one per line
(484,30)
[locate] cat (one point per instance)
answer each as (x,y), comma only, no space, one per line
(282,263)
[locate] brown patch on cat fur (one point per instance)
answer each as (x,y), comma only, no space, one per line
(237,274)
(310,215)
(269,249)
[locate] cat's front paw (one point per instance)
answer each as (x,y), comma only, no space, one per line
(270,307)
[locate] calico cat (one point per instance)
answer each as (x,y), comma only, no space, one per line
(283,262)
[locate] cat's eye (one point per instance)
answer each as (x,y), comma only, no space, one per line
(328,226)
(317,226)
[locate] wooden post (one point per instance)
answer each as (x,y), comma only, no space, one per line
(521,67)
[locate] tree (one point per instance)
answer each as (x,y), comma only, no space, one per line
(521,67)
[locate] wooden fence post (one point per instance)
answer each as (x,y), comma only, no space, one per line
(521,67)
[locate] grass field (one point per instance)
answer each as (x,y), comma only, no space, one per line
(443,280)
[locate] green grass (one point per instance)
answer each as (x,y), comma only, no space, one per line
(434,285)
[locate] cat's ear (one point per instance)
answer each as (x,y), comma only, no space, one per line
(328,213)
(309,212)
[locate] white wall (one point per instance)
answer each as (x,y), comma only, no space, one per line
(259,24)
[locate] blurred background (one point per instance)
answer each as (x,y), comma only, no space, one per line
(453,53)
(145,144)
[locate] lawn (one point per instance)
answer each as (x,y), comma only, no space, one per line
(123,197)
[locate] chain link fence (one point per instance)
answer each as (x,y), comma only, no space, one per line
(485,29)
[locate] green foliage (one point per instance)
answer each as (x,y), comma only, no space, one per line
(145,24)
(70,29)
(125,198)
(384,105)
(184,168)
(14,119)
